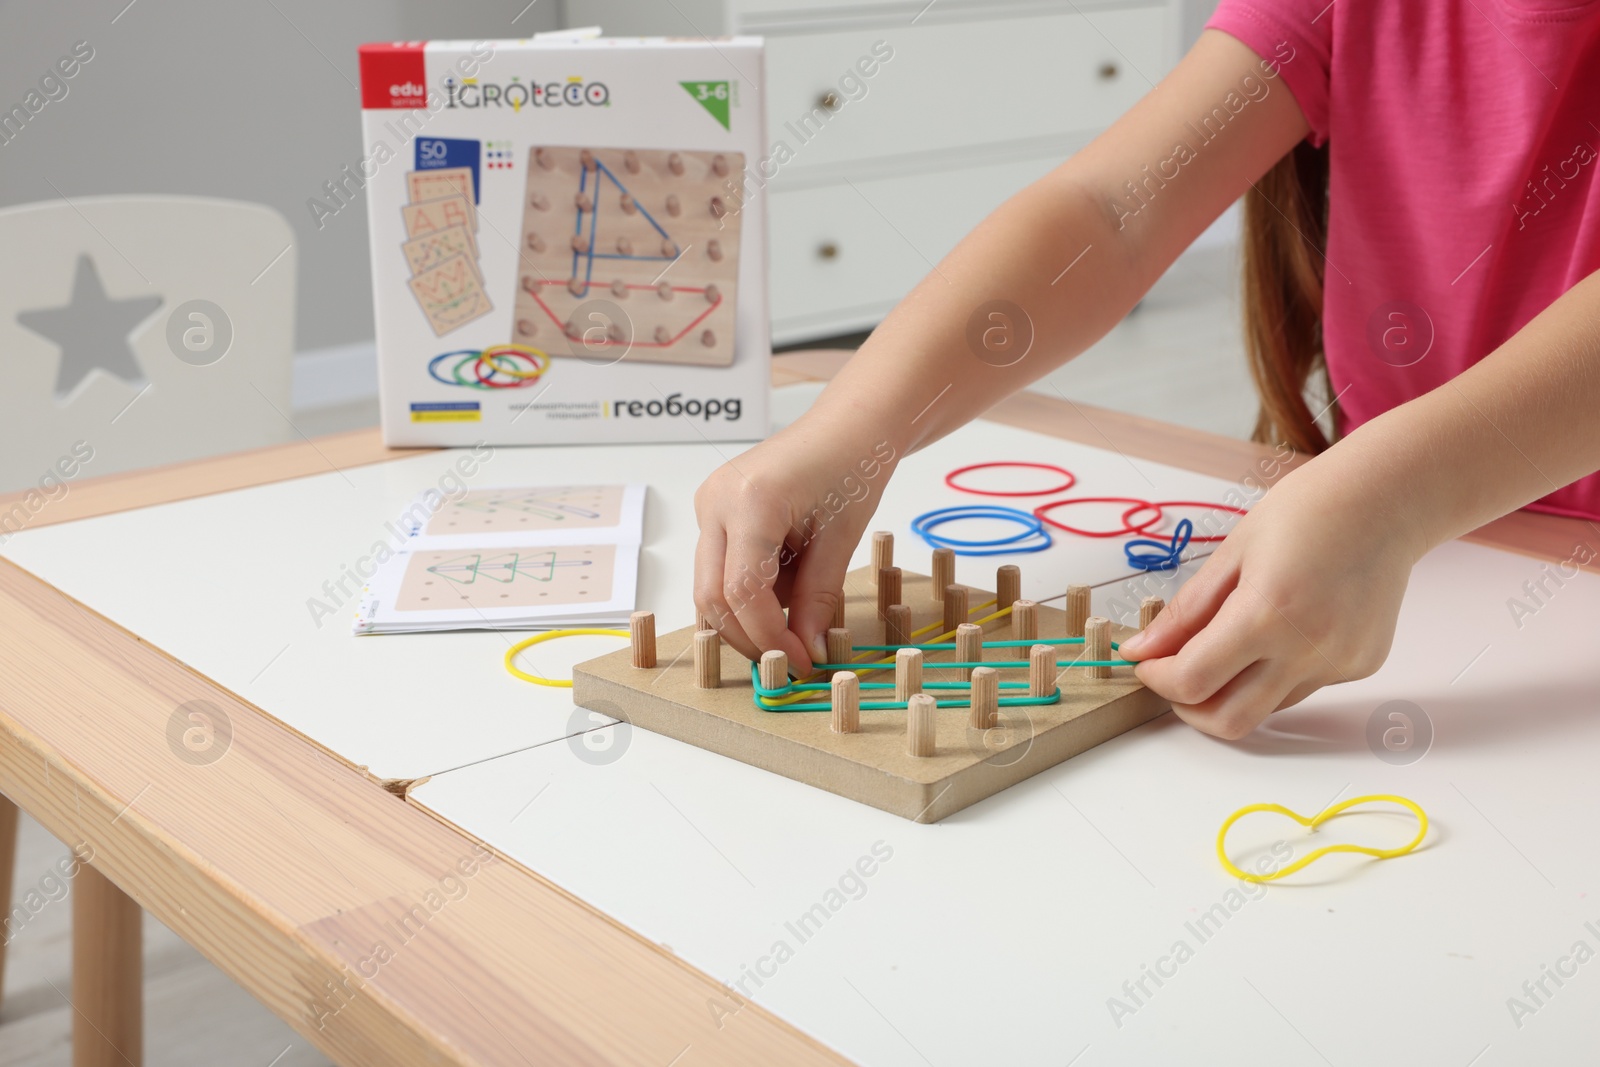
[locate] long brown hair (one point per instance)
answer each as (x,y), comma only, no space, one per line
(1285,239)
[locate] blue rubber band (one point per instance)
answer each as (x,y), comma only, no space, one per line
(1033,537)
(1145,554)
(441,357)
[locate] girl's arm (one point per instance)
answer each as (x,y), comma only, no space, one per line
(1305,591)
(1075,251)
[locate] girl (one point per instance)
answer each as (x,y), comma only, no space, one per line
(1422,235)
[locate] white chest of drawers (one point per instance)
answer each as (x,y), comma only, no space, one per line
(879,175)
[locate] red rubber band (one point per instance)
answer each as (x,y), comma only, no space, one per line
(1188,504)
(1072,479)
(1138,505)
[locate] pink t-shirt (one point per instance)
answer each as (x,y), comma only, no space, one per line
(1464,137)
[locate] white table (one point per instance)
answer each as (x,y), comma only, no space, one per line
(1008,933)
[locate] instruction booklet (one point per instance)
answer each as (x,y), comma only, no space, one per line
(514,558)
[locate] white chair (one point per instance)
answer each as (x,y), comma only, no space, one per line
(140,330)
(134,331)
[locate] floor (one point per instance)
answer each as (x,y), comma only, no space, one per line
(1177,358)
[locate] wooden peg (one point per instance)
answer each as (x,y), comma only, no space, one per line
(944,570)
(1041,670)
(1007,585)
(888,589)
(897,625)
(907,673)
(1077,609)
(882,551)
(955,606)
(702,621)
(969,646)
(839,645)
(1149,608)
(642,636)
(1097,644)
(1025,620)
(921,721)
(846,694)
(838,610)
(774,669)
(985,698)
(707,659)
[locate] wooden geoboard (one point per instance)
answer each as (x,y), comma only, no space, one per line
(652,234)
(872,766)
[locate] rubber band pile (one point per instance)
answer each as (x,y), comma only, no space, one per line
(496,367)
(792,697)
(1142,554)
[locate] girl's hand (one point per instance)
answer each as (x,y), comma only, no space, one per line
(777,527)
(1303,593)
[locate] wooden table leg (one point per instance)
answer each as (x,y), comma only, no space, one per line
(107,974)
(8,867)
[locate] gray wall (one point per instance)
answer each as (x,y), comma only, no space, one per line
(246,100)
(251,100)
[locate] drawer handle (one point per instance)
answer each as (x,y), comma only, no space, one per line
(1108,72)
(829,101)
(827,250)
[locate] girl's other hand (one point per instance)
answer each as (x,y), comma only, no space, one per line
(1303,593)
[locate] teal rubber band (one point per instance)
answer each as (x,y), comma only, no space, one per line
(998,664)
(949,646)
(900,705)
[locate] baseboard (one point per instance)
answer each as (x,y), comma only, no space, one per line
(339,374)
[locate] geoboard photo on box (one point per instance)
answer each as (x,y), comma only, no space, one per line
(562,248)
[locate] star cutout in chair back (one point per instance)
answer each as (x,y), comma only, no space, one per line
(92,331)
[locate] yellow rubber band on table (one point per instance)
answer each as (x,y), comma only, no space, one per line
(1311,824)
(551,635)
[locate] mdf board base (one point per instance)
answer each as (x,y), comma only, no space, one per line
(872,766)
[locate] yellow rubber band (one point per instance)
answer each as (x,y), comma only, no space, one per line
(551,635)
(1311,824)
(540,359)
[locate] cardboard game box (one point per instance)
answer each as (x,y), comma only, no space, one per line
(562,248)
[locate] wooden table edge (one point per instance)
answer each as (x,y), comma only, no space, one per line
(112,700)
